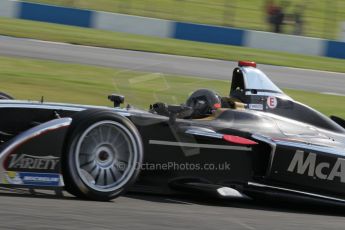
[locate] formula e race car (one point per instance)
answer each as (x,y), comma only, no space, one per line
(256,140)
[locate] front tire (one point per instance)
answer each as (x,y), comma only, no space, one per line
(103,154)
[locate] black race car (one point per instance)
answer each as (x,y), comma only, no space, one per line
(257,140)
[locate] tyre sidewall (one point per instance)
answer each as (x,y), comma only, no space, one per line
(80,123)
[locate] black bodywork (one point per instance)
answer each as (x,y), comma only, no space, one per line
(259,140)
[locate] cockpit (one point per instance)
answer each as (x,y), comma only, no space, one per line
(249,89)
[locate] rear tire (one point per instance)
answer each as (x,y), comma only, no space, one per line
(102,155)
(4,96)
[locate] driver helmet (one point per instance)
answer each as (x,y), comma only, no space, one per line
(204,102)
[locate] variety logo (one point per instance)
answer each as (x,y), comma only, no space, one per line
(322,170)
(27,178)
(24,161)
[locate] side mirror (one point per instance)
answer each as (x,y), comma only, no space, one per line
(116,99)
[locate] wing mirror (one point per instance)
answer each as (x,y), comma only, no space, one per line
(116,99)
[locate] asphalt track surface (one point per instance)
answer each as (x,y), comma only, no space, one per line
(138,211)
(21,210)
(284,77)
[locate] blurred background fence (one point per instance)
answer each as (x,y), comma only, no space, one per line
(321,18)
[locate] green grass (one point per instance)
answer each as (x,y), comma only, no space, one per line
(82,36)
(321,16)
(61,82)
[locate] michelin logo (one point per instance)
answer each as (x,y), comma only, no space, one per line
(28,178)
(12,178)
(322,170)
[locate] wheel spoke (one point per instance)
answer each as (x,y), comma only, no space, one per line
(92,138)
(109,134)
(117,173)
(93,170)
(113,174)
(116,142)
(105,173)
(100,133)
(98,175)
(86,163)
(88,148)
